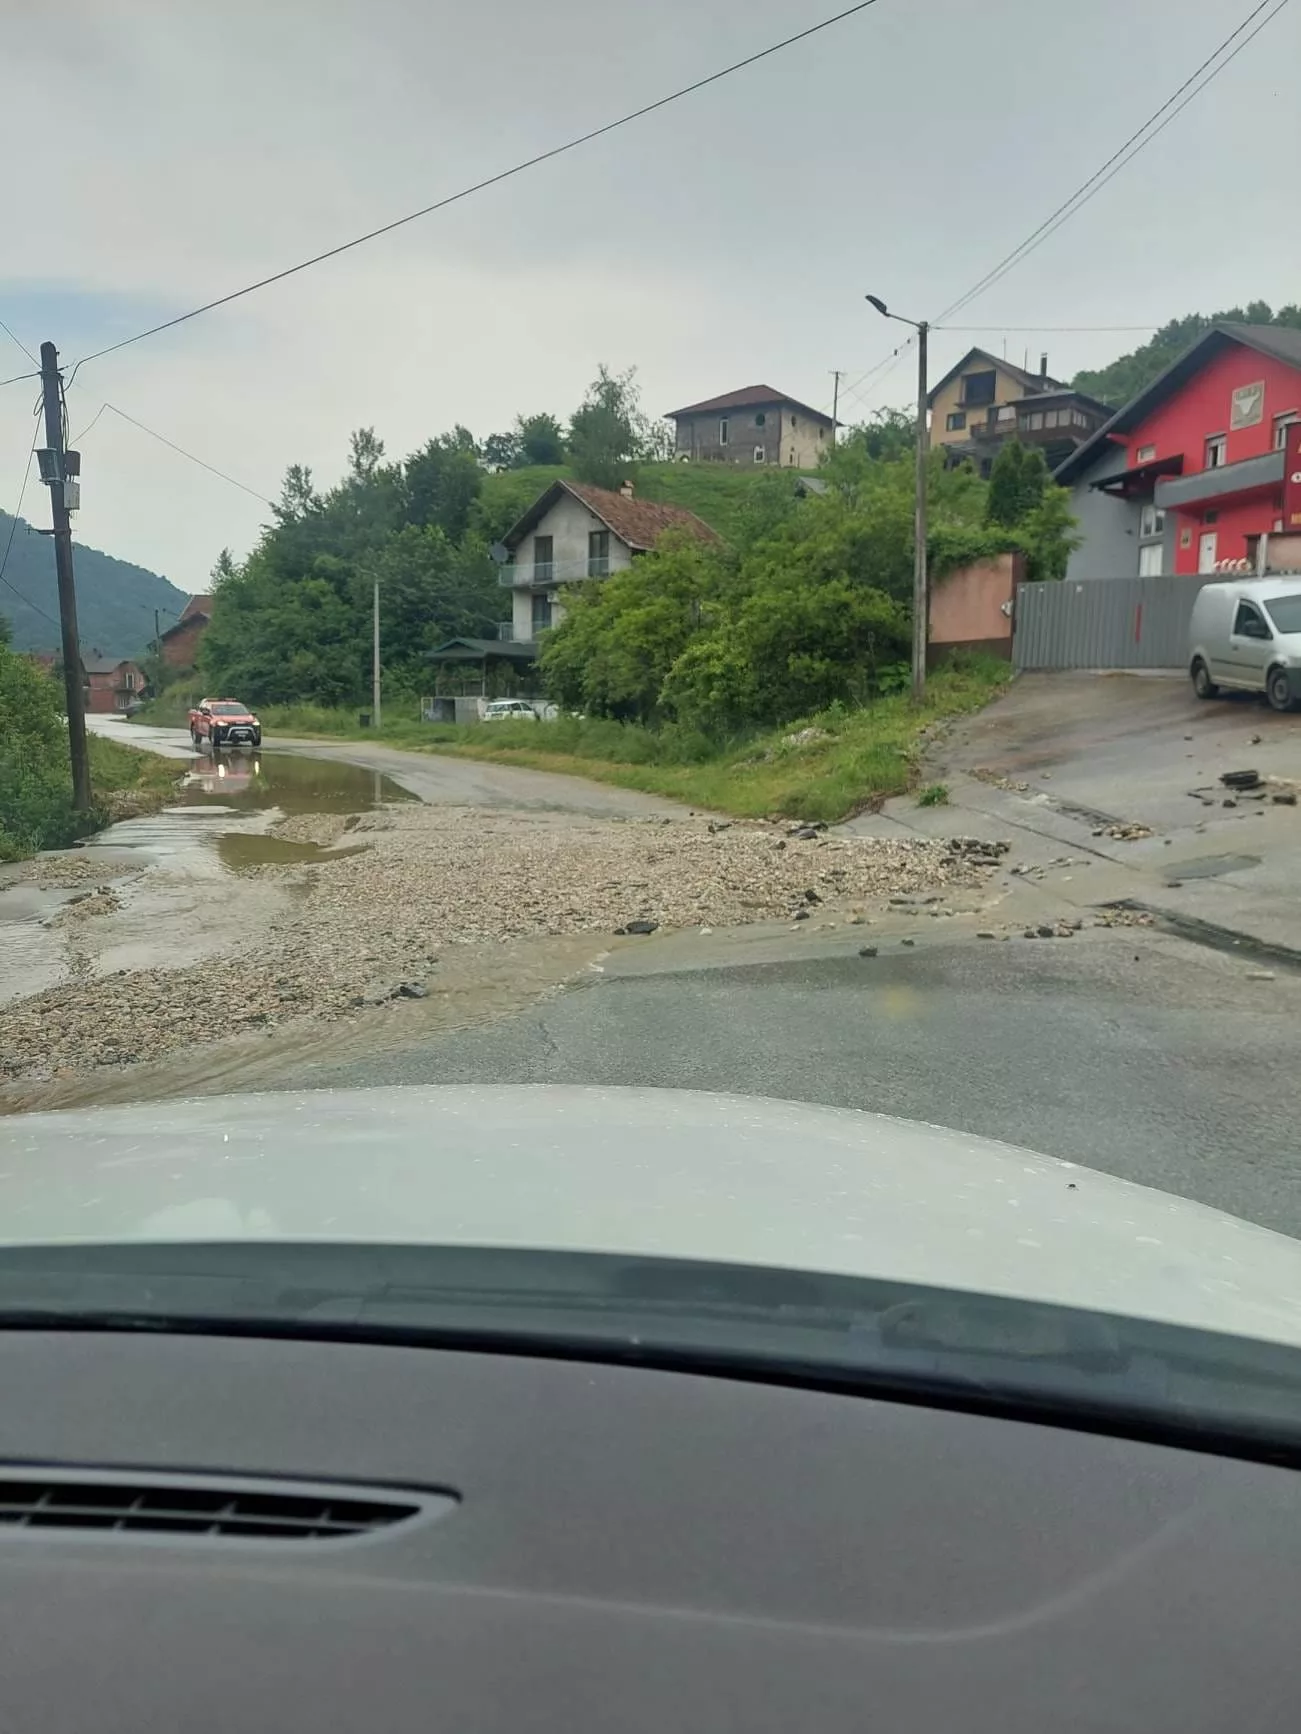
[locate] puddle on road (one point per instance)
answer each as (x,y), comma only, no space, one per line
(202,844)
(1210,866)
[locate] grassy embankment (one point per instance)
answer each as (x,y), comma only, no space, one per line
(858,758)
(38,814)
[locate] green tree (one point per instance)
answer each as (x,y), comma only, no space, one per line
(443,480)
(501,451)
(224,567)
(1016,483)
(608,432)
(619,639)
(1129,374)
(539,439)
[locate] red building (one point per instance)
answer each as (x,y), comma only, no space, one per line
(113,683)
(179,645)
(1198,466)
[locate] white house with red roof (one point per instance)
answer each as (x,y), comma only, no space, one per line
(574,531)
(754,426)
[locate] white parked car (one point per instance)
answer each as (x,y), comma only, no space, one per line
(509,710)
(1246,635)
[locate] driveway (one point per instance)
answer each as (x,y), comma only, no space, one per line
(1119,774)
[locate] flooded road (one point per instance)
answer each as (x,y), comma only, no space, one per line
(177,885)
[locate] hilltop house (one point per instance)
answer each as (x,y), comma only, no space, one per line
(754,426)
(179,645)
(983,401)
(113,683)
(1196,468)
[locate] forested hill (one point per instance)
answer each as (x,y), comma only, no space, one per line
(115,600)
(1129,374)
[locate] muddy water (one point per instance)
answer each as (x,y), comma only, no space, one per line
(193,895)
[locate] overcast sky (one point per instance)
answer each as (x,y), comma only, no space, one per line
(157,153)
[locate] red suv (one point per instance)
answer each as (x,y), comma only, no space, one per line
(224,722)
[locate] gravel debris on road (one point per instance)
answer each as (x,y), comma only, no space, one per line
(433,877)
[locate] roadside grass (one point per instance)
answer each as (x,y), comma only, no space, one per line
(851,760)
(36,810)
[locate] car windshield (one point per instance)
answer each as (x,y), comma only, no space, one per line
(837,476)
(1285,612)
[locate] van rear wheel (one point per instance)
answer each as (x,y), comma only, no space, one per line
(1203,685)
(1278,689)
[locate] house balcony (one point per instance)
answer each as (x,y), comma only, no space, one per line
(507,634)
(544,573)
(1224,485)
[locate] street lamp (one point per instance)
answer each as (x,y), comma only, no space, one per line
(921,598)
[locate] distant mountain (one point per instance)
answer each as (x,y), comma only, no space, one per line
(115,600)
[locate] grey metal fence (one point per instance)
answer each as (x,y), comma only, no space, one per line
(1104,623)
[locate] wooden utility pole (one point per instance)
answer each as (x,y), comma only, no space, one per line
(921,586)
(54,472)
(836,374)
(374,660)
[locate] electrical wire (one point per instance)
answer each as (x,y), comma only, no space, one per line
(1118,160)
(1121,158)
(171,444)
(489,181)
(18,340)
(14,378)
(1152,325)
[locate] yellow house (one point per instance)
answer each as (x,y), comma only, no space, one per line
(984,400)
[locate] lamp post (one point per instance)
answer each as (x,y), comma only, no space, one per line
(921,590)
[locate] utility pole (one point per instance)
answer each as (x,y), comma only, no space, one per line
(374,660)
(54,472)
(837,373)
(921,583)
(921,586)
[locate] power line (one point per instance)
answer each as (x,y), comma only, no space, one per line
(1152,325)
(1089,189)
(14,378)
(13,527)
(171,444)
(489,181)
(18,340)
(1120,159)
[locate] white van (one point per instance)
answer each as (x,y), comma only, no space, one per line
(1245,636)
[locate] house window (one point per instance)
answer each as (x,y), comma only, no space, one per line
(794,423)
(544,564)
(760,455)
(1149,560)
(1006,413)
(1281,424)
(822,433)
(761,419)
(956,420)
(1034,420)
(723,431)
(1144,454)
(978,388)
(1216,449)
(1151,520)
(1210,517)
(598,554)
(541,615)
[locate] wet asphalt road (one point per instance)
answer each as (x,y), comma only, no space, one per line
(1130,1051)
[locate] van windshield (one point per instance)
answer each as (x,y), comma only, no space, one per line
(1285,612)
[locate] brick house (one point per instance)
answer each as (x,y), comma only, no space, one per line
(179,645)
(751,427)
(113,683)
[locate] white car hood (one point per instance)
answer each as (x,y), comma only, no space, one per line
(667,1173)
